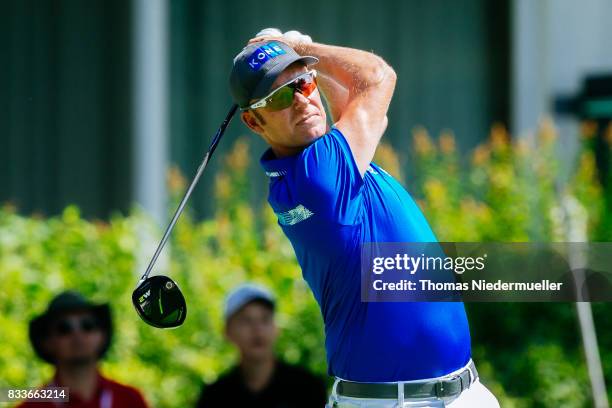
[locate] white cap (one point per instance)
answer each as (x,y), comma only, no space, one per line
(244,294)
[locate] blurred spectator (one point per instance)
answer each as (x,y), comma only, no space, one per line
(73,335)
(260,379)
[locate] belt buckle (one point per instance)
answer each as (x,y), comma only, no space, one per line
(443,385)
(439,389)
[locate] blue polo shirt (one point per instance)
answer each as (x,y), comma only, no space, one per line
(327,210)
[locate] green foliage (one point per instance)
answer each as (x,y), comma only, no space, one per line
(530,355)
(516,184)
(39,258)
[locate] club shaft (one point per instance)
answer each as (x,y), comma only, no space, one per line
(181,206)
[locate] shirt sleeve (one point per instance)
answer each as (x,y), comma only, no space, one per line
(328,180)
(319,393)
(129,396)
(139,401)
(208,398)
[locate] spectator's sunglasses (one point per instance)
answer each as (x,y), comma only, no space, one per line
(67,326)
(282,97)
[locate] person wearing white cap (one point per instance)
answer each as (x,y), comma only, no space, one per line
(260,379)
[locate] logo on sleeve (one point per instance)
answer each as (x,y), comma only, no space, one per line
(263,54)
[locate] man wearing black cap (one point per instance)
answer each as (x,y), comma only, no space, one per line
(73,335)
(260,379)
(330,201)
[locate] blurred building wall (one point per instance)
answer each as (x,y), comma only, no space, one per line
(452,60)
(66,133)
(65,106)
(556,43)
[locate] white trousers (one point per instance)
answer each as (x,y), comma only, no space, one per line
(476,396)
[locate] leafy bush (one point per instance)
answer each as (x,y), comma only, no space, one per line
(528,354)
(39,258)
(510,191)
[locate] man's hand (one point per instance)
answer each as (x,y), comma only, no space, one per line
(270,32)
(291,38)
(297,37)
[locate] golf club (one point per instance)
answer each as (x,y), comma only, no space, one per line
(158,299)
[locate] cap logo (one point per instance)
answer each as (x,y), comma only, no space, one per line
(263,54)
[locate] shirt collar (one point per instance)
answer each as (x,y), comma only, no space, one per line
(101,384)
(274,166)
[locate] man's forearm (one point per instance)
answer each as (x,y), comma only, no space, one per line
(334,94)
(356,70)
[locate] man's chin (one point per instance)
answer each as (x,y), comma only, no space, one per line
(80,361)
(258,355)
(313,132)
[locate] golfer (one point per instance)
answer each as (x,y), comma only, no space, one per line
(330,199)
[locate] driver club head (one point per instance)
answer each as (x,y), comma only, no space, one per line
(158,299)
(159,302)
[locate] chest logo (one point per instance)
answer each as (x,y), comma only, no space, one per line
(295,215)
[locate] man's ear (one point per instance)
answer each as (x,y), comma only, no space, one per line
(276,332)
(251,121)
(227,333)
(47,345)
(103,339)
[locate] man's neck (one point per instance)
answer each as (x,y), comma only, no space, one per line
(82,380)
(281,151)
(258,374)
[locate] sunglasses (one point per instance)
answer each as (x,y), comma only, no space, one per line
(282,97)
(68,326)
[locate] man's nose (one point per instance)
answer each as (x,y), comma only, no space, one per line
(300,100)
